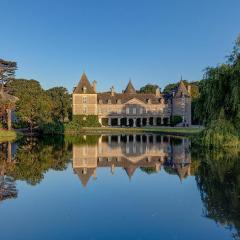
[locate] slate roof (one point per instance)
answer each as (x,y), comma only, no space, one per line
(125,97)
(181,90)
(130,88)
(84,82)
(84,178)
(128,94)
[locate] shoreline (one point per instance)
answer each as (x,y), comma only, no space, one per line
(9,136)
(165,130)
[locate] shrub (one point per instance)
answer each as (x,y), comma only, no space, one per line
(52,128)
(175,120)
(78,122)
(219,133)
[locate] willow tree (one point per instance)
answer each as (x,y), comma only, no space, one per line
(218,106)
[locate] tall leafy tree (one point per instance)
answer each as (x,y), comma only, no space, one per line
(220,90)
(149,88)
(61,103)
(34,105)
(218,106)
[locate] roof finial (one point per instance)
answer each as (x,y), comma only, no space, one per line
(181,77)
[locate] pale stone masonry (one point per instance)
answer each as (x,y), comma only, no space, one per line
(131,108)
(131,152)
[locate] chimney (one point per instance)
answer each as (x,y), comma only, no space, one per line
(94,85)
(158,93)
(112,90)
(189,88)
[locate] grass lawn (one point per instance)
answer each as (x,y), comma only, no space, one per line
(170,130)
(6,135)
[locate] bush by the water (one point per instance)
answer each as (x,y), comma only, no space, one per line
(175,120)
(78,122)
(219,133)
(52,128)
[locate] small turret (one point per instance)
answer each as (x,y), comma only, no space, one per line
(158,92)
(94,85)
(112,91)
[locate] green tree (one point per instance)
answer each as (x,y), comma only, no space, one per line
(34,105)
(149,88)
(61,103)
(218,106)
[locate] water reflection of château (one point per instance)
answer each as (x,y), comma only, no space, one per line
(148,152)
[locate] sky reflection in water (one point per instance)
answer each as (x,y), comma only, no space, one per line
(117,187)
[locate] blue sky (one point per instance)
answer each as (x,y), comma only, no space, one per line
(154,41)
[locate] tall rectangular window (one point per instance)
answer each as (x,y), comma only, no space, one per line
(84,109)
(134,110)
(84,99)
(127,110)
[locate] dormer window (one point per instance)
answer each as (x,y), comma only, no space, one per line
(84,89)
(109,101)
(119,101)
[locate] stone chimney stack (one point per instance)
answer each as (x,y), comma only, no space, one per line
(189,88)
(158,92)
(94,85)
(112,90)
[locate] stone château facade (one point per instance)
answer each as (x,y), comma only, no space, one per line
(131,108)
(130,152)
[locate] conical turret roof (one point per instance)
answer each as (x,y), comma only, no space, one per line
(84,83)
(84,177)
(181,90)
(130,88)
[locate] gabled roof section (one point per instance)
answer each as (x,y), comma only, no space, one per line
(130,88)
(84,83)
(135,100)
(181,90)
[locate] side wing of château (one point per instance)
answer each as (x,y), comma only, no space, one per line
(131,108)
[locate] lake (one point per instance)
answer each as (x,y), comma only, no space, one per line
(140,186)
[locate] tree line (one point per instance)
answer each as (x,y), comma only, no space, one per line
(37,106)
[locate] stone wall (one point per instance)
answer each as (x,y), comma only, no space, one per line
(84,104)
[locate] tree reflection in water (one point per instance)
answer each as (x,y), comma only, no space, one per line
(33,158)
(217,173)
(218,179)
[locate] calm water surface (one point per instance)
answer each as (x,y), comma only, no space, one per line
(117,187)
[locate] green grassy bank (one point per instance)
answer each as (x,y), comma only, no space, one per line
(6,136)
(170,130)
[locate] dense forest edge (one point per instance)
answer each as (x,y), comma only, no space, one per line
(215,104)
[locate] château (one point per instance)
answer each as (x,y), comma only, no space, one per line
(131,108)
